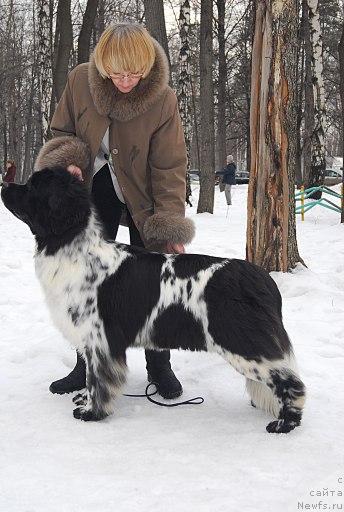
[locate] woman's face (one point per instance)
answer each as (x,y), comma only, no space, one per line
(125,82)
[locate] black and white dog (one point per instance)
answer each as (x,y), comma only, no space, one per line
(105,297)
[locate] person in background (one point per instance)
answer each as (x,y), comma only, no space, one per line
(228,178)
(117,128)
(10,172)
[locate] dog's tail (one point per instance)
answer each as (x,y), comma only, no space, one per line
(262,397)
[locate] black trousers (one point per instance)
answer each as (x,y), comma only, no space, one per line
(110,210)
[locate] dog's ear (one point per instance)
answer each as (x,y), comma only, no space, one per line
(55,202)
(69,207)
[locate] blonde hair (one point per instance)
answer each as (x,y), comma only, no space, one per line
(124,47)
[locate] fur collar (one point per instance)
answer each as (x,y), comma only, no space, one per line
(109,101)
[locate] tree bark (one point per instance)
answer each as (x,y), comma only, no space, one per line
(221,92)
(309,98)
(247,56)
(271,237)
(341,89)
(184,83)
(99,22)
(318,164)
(155,21)
(45,12)
(62,47)
(207,151)
(300,80)
(84,39)
(27,165)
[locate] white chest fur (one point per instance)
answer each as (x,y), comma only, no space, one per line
(70,279)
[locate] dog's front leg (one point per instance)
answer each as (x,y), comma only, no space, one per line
(105,377)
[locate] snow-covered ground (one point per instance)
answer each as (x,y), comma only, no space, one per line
(213,457)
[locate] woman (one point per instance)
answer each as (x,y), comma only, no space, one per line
(117,127)
(228,179)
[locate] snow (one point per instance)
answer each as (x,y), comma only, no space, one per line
(211,457)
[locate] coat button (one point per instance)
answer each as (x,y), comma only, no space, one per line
(115,151)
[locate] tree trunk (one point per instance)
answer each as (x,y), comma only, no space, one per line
(63,46)
(10,84)
(45,12)
(99,22)
(195,125)
(300,80)
(309,97)
(28,162)
(271,237)
(341,75)
(84,39)
(318,164)
(155,21)
(184,83)
(207,151)
(247,55)
(221,92)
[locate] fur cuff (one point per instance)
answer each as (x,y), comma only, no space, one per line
(169,228)
(63,151)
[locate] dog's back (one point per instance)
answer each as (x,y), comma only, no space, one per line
(195,302)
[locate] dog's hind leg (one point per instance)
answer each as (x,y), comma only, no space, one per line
(275,387)
(291,394)
(105,377)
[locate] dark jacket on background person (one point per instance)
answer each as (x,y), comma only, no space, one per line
(228,174)
(10,174)
(146,142)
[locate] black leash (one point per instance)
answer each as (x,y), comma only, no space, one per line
(193,401)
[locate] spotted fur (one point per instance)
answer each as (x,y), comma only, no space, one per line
(105,297)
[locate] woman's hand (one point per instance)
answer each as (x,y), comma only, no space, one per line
(76,171)
(175,248)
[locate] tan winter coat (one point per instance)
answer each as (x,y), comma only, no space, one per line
(146,143)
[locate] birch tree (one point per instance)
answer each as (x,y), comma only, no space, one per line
(341,74)
(44,13)
(309,119)
(184,82)
(271,237)
(318,163)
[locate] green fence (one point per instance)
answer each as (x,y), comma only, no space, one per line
(303,194)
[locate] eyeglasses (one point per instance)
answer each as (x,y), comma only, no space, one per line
(129,76)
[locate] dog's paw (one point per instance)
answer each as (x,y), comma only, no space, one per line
(80,413)
(80,399)
(281,426)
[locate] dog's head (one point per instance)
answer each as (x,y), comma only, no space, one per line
(52,203)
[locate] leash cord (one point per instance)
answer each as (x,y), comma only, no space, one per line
(192,401)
